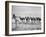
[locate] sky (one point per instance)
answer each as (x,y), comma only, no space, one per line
(26,11)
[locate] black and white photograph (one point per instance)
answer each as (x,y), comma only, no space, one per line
(26,18)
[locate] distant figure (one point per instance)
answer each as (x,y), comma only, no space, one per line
(13,22)
(38,20)
(34,19)
(30,19)
(14,16)
(22,19)
(27,20)
(18,19)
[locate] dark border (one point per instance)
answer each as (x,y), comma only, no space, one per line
(7,17)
